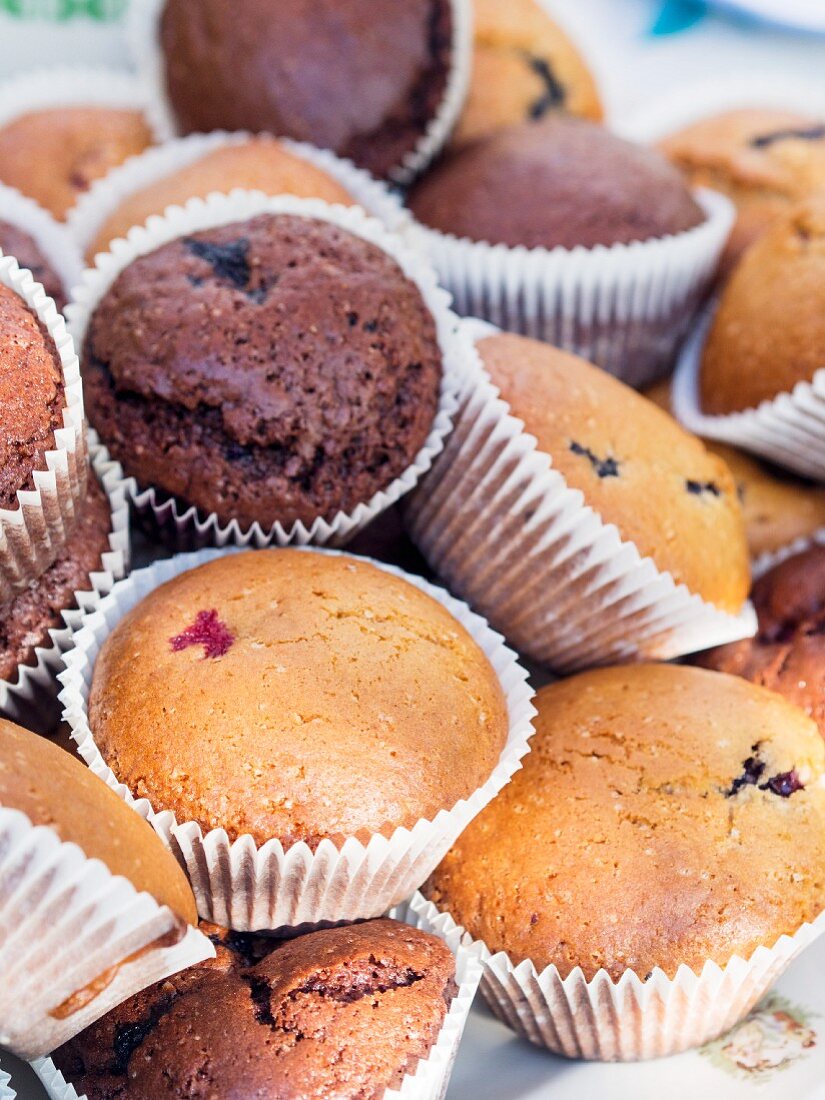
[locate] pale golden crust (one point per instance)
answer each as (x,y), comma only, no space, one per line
(516,46)
(625,842)
(259,164)
(54,155)
(769,330)
(348,701)
(659,485)
(53,788)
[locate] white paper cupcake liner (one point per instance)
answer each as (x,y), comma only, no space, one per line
(6,1091)
(70,85)
(503,530)
(51,237)
(765,562)
(33,534)
(31,699)
(142,28)
(789,429)
(239,885)
(631,1019)
(97,205)
(65,920)
(185,527)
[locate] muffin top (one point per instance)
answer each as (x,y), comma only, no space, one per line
(16,242)
(664,815)
(524,66)
(636,467)
(54,788)
(304,696)
(259,164)
(559,182)
(307,77)
(55,154)
(342,1012)
(278,369)
(31,396)
(788,653)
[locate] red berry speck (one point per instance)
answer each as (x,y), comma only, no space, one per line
(208,631)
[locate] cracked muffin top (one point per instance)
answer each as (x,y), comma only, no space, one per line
(635,466)
(768,332)
(342,1012)
(32,396)
(664,815)
(16,242)
(304,695)
(279,369)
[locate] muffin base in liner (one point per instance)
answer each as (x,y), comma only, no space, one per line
(67,921)
(52,238)
(631,1019)
(789,429)
(503,530)
(104,197)
(143,22)
(249,888)
(625,307)
(432,1074)
(185,527)
(33,534)
(31,699)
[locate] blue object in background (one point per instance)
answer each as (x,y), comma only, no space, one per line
(678,15)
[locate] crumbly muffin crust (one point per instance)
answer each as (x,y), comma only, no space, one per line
(28,253)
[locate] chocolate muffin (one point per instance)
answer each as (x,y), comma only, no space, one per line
(664,816)
(360,77)
(31,396)
(788,653)
(16,242)
(559,182)
(25,621)
(342,1012)
(278,369)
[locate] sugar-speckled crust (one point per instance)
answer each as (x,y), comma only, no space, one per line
(764,160)
(559,182)
(524,66)
(54,155)
(642,830)
(28,253)
(31,396)
(636,467)
(260,164)
(306,78)
(788,653)
(278,369)
(769,330)
(303,696)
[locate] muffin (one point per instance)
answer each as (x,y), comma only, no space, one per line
(665,816)
(524,66)
(55,154)
(301,692)
(768,332)
(260,164)
(14,241)
(562,182)
(278,369)
(788,653)
(765,160)
(299,71)
(343,1012)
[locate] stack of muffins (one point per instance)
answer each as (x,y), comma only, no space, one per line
(289,409)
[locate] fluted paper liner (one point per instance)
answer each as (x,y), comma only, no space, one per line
(31,698)
(431,1076)
(143,33)
(104,197)
(240,885)
(631,1019)
(186,527)
(6,1091)
(503,530)
(65,920)
(51,237)
(625,307)
(765,562)
(34,533)
(789,429)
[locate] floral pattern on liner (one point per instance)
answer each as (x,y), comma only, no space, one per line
(770,1039)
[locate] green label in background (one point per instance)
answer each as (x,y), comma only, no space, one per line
(104,11)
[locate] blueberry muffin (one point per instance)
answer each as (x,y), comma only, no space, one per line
(14,241)
(665,816)
(364,78)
